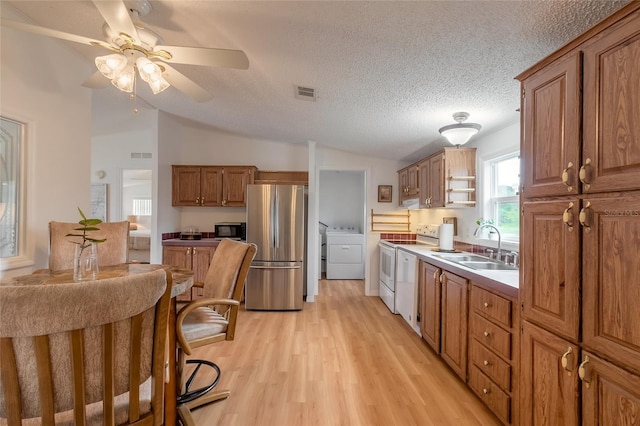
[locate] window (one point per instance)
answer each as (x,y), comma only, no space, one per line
(503,179)
(11,134)
(142,207)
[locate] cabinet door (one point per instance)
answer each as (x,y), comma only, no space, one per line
(454,322)
(423,182)
(550,266)
(181,257)
(211,186)
(403,183)
(611,140)
(436,181)
(551,129)
(611,278)
(548,391)
(429,280)
(185,186)
(234,184)
(201,260)
(414,180)
(610,395)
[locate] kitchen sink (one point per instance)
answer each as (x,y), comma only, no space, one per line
(487,265)
(462,257)
(475,262)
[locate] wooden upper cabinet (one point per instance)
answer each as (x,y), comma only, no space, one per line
(550,269)
(447,178)
(185,186)
(429,281)
(408,182)
(550,145)
(455,304)
(548,390)
(611,278)
(234,186)
(211,186)
(611,139)
(610,395)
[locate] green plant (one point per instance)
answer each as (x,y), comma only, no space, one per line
(87,225)
(482,221)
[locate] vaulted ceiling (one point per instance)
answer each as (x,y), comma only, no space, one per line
(387,74)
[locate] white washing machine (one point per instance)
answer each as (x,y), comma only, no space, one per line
(345,253)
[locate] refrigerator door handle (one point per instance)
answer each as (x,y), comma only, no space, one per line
(277,219)
(272,227)
(275,267)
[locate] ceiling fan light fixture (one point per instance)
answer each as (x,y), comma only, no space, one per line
(148,70)
(158,85)
(460,133)
(111,65)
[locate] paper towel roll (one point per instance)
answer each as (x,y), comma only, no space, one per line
(446,236)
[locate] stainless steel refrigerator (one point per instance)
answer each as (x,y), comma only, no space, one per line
(276,224)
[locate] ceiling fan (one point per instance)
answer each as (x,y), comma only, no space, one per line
(135,46)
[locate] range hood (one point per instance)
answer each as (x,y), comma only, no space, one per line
(411,204)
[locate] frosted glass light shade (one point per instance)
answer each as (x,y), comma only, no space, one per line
(459,134)
(125,80)
(111,65)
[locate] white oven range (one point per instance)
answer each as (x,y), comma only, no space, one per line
(395,271)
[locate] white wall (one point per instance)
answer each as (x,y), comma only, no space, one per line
(40,82)
(342,198)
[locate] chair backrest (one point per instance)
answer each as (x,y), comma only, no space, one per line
(228,271)
(111,252)
(85,351)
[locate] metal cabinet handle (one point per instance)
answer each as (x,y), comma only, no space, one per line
(585,174)
(583,373)
(567,217)
(202,201)
(486,304)
(567,360)
(485,391)
(486,334)
(188,251)
(585,216)
(486,363)
(568,176)
(197,201)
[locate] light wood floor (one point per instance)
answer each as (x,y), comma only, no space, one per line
(343,360)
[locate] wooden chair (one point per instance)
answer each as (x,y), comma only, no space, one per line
(211,319)
(111,252)
(84,353)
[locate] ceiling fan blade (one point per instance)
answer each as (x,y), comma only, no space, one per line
(206,56)
(116,15)
(21,26)
(184,84)
(96,81)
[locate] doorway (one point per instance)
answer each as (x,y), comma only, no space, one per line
(137,202)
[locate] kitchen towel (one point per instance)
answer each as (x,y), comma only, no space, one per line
(446,236)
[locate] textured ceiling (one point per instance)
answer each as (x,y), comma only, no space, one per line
(388,74)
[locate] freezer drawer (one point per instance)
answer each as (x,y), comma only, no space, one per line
(274,287)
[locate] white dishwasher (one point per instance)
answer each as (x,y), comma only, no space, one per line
(345,253)
(407,287)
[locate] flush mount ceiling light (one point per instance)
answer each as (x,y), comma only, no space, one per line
(460,133)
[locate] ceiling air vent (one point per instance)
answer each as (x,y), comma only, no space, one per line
(141,155)
(305,93)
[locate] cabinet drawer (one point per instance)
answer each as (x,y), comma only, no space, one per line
(490,364)
(491,305)
(491,335)
(497,400)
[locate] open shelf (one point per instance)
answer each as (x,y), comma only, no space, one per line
(390,222)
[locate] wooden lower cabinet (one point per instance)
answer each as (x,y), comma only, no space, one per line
(454,322)
(548,387)
(194,258)
(610,395)
(429,281)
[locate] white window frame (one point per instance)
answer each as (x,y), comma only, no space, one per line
(26,248)
(490,188)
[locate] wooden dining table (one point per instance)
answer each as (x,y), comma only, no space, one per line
(180,280)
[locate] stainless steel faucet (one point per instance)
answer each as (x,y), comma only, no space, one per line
(486,225)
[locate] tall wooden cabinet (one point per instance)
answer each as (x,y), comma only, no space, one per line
(580,245)
(196,258)
(429,282)
(211,186)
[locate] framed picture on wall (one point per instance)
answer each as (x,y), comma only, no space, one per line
(384,193)
(99,205)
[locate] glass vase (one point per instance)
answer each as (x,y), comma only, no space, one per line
(85,262)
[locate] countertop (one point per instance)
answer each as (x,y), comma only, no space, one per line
(205,242)
(506,282)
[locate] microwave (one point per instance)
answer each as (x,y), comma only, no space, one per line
(233,230)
